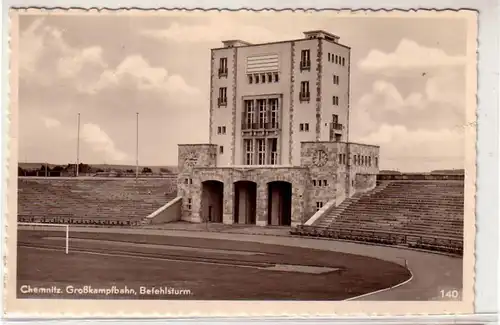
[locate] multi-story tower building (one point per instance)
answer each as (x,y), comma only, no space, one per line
(278,150)
(268,98)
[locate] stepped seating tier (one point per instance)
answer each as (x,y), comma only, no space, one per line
(100,201)
(428,210)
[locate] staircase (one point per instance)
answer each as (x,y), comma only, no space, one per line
(331,215)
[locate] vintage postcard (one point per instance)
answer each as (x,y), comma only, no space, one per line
(206,163)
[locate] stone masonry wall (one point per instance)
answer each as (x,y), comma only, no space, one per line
(297,176)
(191,156)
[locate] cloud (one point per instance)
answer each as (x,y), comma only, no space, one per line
(46,56)
(100,142)
(136,70)
(385,96)
(409,55)
(216,30)
(50,123)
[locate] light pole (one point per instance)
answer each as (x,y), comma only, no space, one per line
(78,147)
(137,147)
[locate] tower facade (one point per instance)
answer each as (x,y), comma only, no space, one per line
(278,151)
(268,98)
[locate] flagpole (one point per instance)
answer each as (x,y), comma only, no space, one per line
(137,147)
(78,148)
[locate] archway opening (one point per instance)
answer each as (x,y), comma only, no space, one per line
(212,201)
(279,210)
(245,202)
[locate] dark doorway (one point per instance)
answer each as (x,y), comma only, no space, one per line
(245,202)
(279,204)
(212,201)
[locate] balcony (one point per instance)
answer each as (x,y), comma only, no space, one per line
(336,126)
(260,126)
(222,72)
(222,101)
(304,96)
(305,65)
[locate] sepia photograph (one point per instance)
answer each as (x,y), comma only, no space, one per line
(186,156)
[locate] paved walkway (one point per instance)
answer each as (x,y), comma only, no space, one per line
(431,272)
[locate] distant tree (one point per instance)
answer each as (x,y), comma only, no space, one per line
(165,170)
(99,170)
(146,170)
(130,171)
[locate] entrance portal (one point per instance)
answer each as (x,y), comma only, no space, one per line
(279,205)
(245,198)
(212,201)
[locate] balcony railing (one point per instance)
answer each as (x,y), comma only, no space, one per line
(304,96)
(336,126)
(222,72)
(260,126)
(222,101)
(305,65)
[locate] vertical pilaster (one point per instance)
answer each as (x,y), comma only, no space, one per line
(319,74)
(262,202)
(233,106)
(212,76)
(228,213)
(292,101)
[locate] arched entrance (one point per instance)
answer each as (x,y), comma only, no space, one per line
(279,204)
(212,201)
(245,202)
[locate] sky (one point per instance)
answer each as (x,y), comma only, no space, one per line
(407,83)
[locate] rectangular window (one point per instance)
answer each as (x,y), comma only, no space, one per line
(261,152)
(256,78)
(249,113)
(222,96)
(329,57)
(305,60)
(222,67)
(273,106)
(319,205)
(314,182)
(186,180)
(269,77)
(336,100)
(191,181)
(376,162)
(263,78)
(221,149)
(343,61)
(276,77)
(336,59)
(343,159)
(340,158)
(325,182)
(189,203)
(306,127)
(336,80)
(301,127)
(223,130)
(370,161)
(355,160)
(219,130)
(261,107)
(273,148)
(250,78)
(304,94)
(249,151)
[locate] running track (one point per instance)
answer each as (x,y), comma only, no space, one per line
(431,272)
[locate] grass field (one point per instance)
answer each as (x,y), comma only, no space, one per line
(204,268)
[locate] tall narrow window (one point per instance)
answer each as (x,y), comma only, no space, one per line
(222,96)
(261,106)
(249,114)
(249,151)
(261,152)
(336,100)
(305,60)
(273,106)
(304,94)
(273,149)
(222,67)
